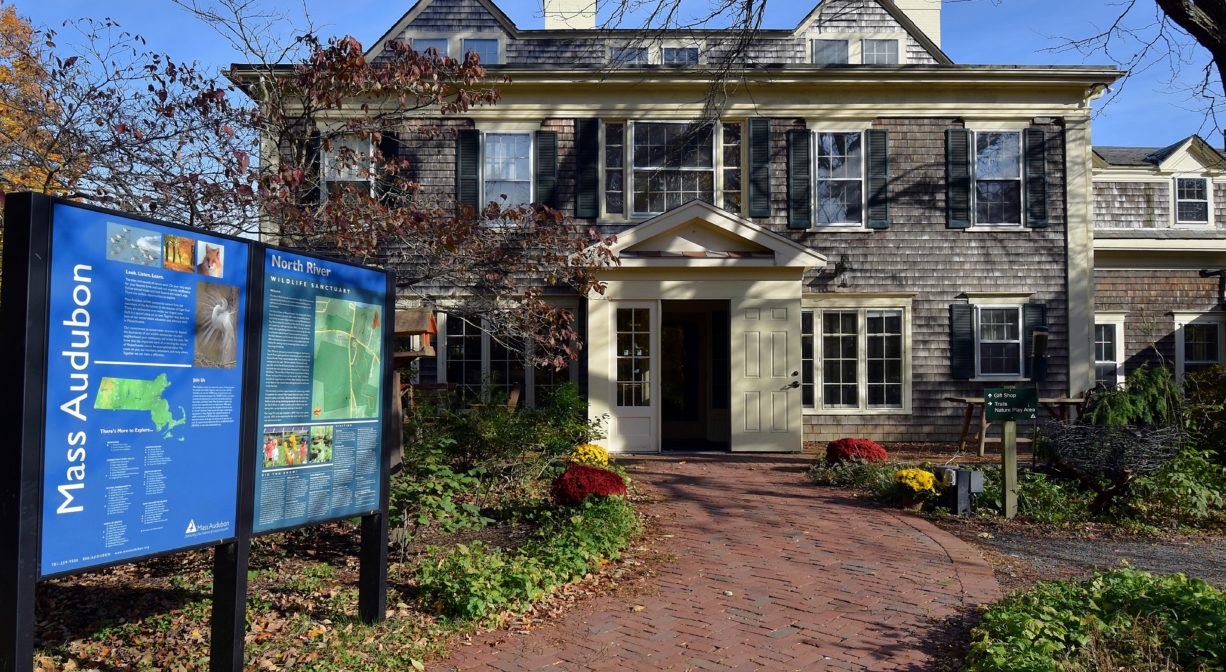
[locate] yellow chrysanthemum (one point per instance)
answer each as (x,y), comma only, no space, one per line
(917,480)
(590,453)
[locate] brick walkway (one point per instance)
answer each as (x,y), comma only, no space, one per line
(771,573)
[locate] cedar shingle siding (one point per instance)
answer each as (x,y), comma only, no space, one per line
(1149,297)
(1132,205)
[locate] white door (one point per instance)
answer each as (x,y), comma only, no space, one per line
(635,406)
(766,402)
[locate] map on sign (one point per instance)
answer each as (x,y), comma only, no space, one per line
(136,394)
(347,366)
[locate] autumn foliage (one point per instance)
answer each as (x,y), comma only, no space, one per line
(844,450)
(581,481)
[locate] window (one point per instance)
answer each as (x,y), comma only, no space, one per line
(628,55)
(633,357)
(347,161)
(830,52)
(1191,200)
(673,163)
(879,52)
(614,168)
(439,44)
(998,178)
(679,56)
(463,352)
(477,364)
(856,362)
(506,369)
(1107,348)
(732,167)
(840,185)
(507,166)
(486,49)
(1200,342)
(999,340)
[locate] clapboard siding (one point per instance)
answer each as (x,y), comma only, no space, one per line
(1132,205)
(1148,297)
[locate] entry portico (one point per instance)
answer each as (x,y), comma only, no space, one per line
(745,283)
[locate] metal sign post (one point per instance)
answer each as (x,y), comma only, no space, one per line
(1008,405)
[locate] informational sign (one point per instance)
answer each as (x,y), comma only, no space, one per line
(144,385)
(321,391)
(1002,404)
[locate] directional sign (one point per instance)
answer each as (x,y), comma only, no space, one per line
(1009,403)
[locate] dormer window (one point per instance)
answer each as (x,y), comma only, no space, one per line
(830,52)
(439,44)
(628,56)
(486,49)
(679,56)
(879,52)
(1191,200)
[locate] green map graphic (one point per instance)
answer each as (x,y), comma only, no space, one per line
(135,394)
(348,349)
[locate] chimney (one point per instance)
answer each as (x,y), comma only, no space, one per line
(570,14)
(924,13)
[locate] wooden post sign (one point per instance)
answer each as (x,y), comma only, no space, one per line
(170,389)
(1008,405)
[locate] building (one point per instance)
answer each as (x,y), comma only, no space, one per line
(865,230)
(1159,255)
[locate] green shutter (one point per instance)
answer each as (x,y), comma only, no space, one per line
(386,183)
(547,168)
(1036,178)
(587,172)
(1034,318)
(800,179)
(962,341)
(878,153)
(958,178)
(468,168)
(759,167)
(312,168)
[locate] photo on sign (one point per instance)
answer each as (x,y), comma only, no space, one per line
(178,253)
(216,324)
(286,447)
(132,245)
(321,444)
(209,259)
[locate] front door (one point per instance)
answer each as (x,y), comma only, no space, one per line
(635,406)
(766,401)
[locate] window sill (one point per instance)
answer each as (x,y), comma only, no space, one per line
(856,411)
(1002,379)
(995,228)
(838,228)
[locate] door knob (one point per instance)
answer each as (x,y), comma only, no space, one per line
(795,384)
(795,373)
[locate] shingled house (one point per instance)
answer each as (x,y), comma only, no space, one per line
(866,229)
(1159,255)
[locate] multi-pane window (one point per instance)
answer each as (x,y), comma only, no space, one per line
(840,179)
(347,161)
(679,55)
(486,49)
(999,332)
(998,178)
(508,168)
(633,357)
(732,167)
(614,168)
(463,351)
(840,359)
(830,52)
(483,367)
(628,56)
(879,52)
(1106,364)
(439,44)
(506,369)
(672,164)
(853,359)
(1202,346)
(883,354)
(1191,200)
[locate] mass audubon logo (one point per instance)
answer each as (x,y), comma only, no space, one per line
(195,530)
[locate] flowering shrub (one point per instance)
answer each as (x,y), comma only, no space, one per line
(918,481)
(581,481)
(589,453)
(845,450)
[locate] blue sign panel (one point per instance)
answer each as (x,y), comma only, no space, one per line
(144,389)
(321,391)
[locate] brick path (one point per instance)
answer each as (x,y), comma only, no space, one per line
(771,573)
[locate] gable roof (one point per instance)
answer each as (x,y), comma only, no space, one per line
(1134,157)
(514,31)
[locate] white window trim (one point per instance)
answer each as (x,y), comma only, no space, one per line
(1183,319)
(900,40)
(1021,182)
(509,130)
(849,39)
(1021,341)
(323,165)
(646,49)
(1116,320)
(628,164)
(861,305)
(840,226)
(1174,187)
(455,42)
(501,45)
(527,395)
(677,44)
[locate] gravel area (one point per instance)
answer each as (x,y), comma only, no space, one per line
(1056,557)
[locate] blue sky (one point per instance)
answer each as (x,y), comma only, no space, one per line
(1151,110)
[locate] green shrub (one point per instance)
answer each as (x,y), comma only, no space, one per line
(874,478)
(1062,624)
(1151,398)
(430,492)
(1189,489)
(477,582)
(1039,497)
(1206,410)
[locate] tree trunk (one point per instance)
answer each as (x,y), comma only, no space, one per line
(1205,21)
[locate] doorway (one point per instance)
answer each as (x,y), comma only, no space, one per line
(695,376)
